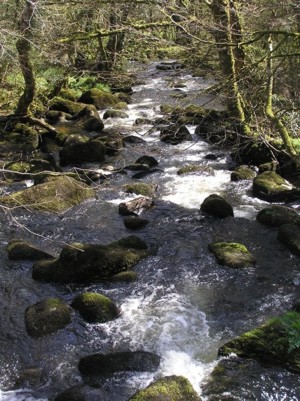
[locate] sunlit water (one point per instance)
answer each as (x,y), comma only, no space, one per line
(184,306)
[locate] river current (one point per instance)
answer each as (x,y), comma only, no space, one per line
(184,305)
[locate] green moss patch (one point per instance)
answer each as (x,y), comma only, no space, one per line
(232,254)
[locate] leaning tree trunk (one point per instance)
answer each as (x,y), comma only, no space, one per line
(226,33)
(276,120)
(23,47)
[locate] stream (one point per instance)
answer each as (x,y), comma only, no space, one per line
(184,305)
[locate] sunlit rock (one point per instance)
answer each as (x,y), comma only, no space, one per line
(95,308)
(136,206)
(169,388)
(242,173)
(47,317)
(56,195)
(271,187)
(232,254)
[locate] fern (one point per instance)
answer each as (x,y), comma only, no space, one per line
(291,323)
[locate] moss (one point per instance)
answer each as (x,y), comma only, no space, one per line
(170,388)
(140,188)
(231,254)
(69,94)
(21,250)
(101,99)
(46,317)
(68,106)
(276,342)
(127,277)
(205,170)
(86,263)
(112,113)
(276,216)
(95,308)
(242,173)
(271,186)
(121,106)
(53,196)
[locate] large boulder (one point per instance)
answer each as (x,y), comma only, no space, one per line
(88,119)
(23,138)
(47,317)
(175,134)
(99,98)
(289,235)
(232,254)
(271,187)
(56,195)
(277,215)
(169,388)
(275,343)
(107,364)
(77,150)
(217,206)
(86,263)
(66,106)
(18,249)
(95,308)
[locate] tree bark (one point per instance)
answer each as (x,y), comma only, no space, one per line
(23,47)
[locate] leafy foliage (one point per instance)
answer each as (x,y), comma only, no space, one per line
(291,323)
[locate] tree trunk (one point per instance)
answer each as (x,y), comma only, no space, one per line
(227,40)
(23,47)
(276,121)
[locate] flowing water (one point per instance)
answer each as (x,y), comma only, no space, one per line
(184,305)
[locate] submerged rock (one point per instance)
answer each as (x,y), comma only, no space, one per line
(217,206)
(86,263)
(271,187)
(289,235)
(18,249)
(275,343)
(107,364)
(276,216)
(95,308)
(47,317)
(140,188)
(232,254)
(194,169)
(169,388)
(135,223)
(175,134)
(56,195)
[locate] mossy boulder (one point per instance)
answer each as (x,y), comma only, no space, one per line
(169,388)
(99,98)
(87,263)
(217,206)
(135,223)
(79,150)
(68,93)
(88,119)
(277,215)
(95,308)
(275,343)
(23,138)
(46,317)
(289,235)
(57,195)
(140,188)
(194,169)
(271,187)
(17,170)
(18,249)
(107,364)
(113,142)
(232,254)
(125,277)
(242,173)
(175,134)
(112,113)
(65,105)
